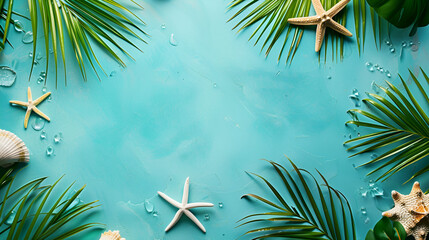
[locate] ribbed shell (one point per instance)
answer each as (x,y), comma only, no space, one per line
(12,149)
(111,236)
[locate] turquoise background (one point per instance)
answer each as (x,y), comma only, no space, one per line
(209,108)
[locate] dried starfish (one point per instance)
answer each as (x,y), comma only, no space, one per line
(411,211)
(31,106)
(184,207)
(323,19)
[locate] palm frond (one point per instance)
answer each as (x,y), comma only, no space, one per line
(313,214)
(402,129)
(107,23)
(31,212)
(270,18)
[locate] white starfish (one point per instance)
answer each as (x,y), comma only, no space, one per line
(184,207)
(31,106)
(323,19)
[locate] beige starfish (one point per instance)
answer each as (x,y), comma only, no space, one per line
(31,106)
(323,19)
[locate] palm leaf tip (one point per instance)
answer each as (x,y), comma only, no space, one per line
(402,128)
(311,214)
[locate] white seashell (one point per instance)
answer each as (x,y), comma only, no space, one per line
(12,149)
(111,236)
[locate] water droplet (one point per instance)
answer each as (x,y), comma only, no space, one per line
(50,99)
(19,27)
(112,74)
(363,192)
(367,220)
(30,54)
(381,69)
(369,66)
(392,49)
(43,135)
(44,90)
(221,205)
(350,136)
(411,43)
(388,43)
(38,124)
(49,151)
(388,74)
(375,87)
(10,219)
(38,56)
(173,41)
(155,213)
(163,26)
(27,37)
(75,202)
(148,206)
(206,217)
(404,44)
(358,134)
(58,138)
(214,85)
(7,76)
(40,80)
(329,77)
(363,210)
(355,97)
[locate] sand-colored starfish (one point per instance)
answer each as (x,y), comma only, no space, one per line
(184,207)
(323,19)
(31,106)
(411,211)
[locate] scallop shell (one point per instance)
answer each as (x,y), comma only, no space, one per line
(12,149)
(111,236)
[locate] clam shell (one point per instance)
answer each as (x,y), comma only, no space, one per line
(12,149)
(111,236)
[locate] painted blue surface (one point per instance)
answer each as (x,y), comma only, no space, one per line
(162,119)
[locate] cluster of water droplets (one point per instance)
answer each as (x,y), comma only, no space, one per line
(355,97)
(150,208)
(373,67)
(28,35)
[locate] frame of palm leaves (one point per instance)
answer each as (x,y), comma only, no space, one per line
(271,17)
(316,214)
(402,129)
(31,212)
(87,23)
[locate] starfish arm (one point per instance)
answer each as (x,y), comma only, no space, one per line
(175,220)
(194,219)
(185,196)
(320,34)
(40,99)
(337,8)
(24,104)
(318,7)
(27,116)
(40,113)
(170,200)
(30,98)
(313,20)
(339,28)
(199,204)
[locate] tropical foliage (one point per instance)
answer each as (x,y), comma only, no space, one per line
(387,229)
(31,211)
(270,18)
(402,128)
(312,213)
(403,13)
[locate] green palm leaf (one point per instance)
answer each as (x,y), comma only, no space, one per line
(403,13)
(31,212)
(313,214)
(87,22)
(403,129)
(270,18)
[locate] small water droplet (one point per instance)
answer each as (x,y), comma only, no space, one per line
(10,219)
(329,77)
(43,135)
(173,41)
(155,213)
(27,37)
(392,49)
(44,90)
(40,80)
(206,217)
(214,85)
(355,97)
(388,74)
(221,205)
(49,151)
(148,206)
(38,124)
(375,87)
(404,44)
(163,26)
(358,134)
(7,76)
(58,138)
(38,56)
(30,54)
(367,220)
(50,99)
(363,210)
(112,74)
(19,27)
(388,43)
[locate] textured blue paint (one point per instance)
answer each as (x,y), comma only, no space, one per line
(160,120)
